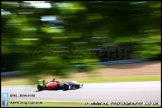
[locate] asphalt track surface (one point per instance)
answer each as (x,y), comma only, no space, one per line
(114,92)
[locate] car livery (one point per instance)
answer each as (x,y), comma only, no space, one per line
(56,85)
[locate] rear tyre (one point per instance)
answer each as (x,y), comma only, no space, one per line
(40,88)
(65,87)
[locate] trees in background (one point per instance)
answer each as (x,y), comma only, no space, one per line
(53,38)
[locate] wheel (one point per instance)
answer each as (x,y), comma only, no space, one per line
(65,87)
(74,87)
(40,88)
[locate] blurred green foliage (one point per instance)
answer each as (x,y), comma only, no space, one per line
(75,25)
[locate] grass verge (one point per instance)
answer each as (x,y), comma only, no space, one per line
(94,80)
(120,79)
(29,103)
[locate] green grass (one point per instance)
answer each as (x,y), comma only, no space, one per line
(15,83)
(68,104)
(120,79)
(46,104)
(95,80)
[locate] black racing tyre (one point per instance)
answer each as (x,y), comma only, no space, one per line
(40,88)
(65,87)
(74,87)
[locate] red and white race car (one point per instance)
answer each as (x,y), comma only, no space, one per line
(57,85)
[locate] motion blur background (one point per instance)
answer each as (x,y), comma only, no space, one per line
(60,38)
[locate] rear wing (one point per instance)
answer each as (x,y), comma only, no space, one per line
(41,81)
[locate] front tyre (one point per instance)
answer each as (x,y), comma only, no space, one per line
(72,87)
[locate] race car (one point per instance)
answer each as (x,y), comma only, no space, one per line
(57,85)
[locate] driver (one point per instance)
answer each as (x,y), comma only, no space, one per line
(54,80)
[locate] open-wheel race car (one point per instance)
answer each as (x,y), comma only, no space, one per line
(57,85)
